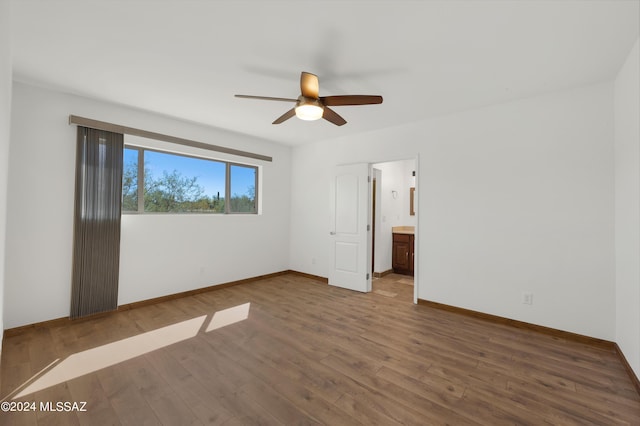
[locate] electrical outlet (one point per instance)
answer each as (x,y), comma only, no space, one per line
(527,298)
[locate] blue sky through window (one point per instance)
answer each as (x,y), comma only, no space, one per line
(210,173)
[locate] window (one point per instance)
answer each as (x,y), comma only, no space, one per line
(130,181)
(243,188)
(161,182)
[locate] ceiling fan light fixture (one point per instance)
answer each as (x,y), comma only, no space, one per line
(309,109)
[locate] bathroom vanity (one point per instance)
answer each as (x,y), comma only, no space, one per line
(402,251)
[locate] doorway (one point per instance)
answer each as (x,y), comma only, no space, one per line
(393,207)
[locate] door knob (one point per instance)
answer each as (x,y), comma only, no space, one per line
(332,233)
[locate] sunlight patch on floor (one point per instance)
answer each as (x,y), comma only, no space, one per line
(91,360)
(229,316)
(95,359)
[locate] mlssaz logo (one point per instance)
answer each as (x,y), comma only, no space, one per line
(65,406)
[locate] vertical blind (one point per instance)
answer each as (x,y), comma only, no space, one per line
(96,245)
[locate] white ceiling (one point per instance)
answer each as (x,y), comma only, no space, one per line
(188,58)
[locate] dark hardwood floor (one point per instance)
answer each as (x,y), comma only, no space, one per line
(308,353)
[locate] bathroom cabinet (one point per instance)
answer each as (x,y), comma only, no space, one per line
(402,253)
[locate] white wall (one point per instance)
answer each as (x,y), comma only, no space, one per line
(395,176)
(627,208)
(160,255)
(5,121)
(514,197)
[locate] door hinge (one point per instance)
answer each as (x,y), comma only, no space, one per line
(369,179)
(367,276)
(368,227)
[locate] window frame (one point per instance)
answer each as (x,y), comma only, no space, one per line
(227,189)
(227,184)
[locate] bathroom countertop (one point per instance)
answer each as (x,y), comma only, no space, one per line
(403,230)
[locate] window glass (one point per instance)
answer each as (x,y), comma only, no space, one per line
(162,182)
(130,181)
(175,183)
(243,188)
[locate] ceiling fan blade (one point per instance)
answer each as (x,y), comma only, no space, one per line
(351,100)
(266,98)
(309,85)
(332,116)
(284,117)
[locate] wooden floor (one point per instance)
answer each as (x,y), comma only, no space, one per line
(309,353)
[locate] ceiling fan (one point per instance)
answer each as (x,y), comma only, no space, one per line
(311,106)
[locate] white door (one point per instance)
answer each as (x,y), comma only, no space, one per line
(350,228)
